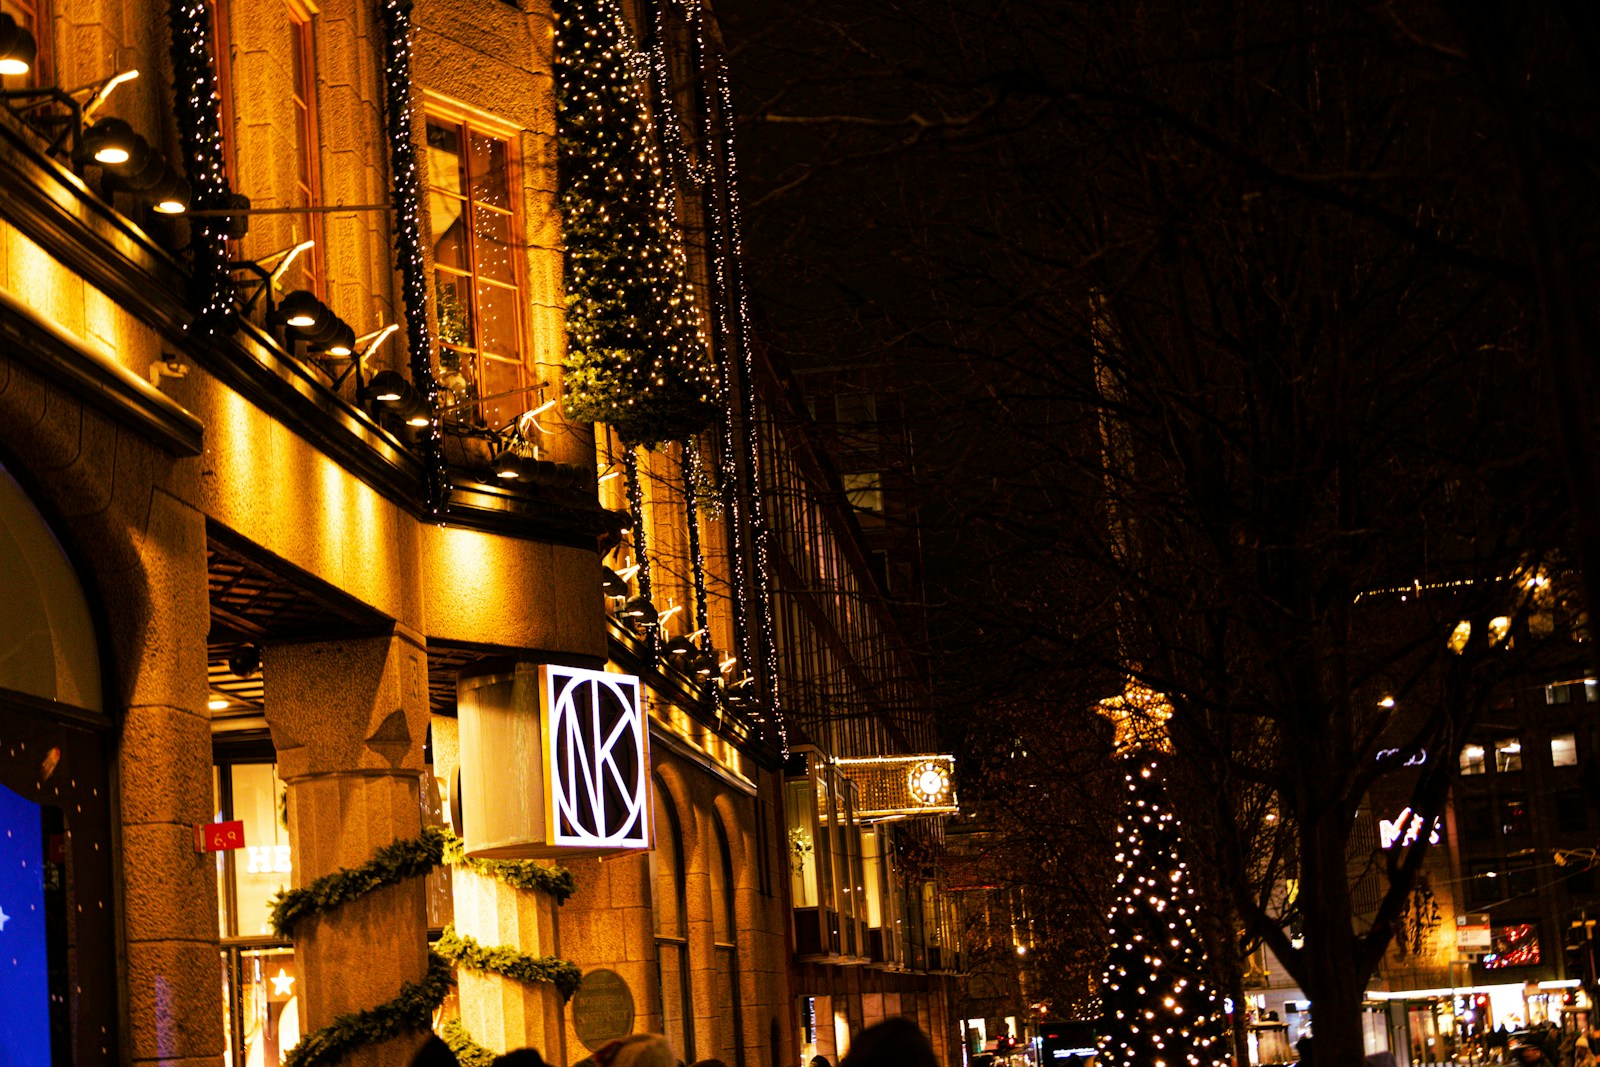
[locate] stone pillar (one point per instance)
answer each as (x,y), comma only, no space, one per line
(499,1013)
(169,895)
(348,719)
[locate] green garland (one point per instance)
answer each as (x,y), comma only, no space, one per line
(509,962)
(636,358)
(519,874)
(468,1052)
(410,1011)
(390,865)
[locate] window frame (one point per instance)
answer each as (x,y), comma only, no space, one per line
(308,144)
(441,110)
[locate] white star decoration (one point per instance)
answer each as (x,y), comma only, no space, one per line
(281,983)
(4,918)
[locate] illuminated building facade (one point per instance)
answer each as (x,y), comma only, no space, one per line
(296,532)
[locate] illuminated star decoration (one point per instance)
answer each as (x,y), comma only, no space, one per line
(4,918)
(1140,717)
(281,983)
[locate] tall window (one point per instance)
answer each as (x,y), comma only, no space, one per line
(672,929)
(307,270)
(476,281)
(260,983)
(725,939)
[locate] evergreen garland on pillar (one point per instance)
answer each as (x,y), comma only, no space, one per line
(636,358)
(197,107)
(1160,1008)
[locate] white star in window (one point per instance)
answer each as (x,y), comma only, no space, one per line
(281,983)
(4,918)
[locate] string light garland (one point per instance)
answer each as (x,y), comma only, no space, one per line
(395,16)
(636,358)
(641,541)
(196,106)
(1160,1009)
(691,506)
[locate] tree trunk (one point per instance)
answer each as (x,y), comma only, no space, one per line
(1333,979)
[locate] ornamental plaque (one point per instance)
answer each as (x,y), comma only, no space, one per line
(602,1009)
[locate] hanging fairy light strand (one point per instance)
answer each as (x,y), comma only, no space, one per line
(198,109)
(396,17)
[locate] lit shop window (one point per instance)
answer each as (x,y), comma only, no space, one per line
(475,240)
(260,982)
(1472,760)
(1563,750)
(1508,754)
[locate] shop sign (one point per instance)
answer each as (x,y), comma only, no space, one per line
(602,1009)
(219,836)
(1404,829)
(596,761)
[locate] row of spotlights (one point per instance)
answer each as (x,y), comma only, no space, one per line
(393,391)
(509,466)
(133,165)
(308,318)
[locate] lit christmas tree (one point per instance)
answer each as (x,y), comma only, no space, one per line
(636,358)
(1160,1009)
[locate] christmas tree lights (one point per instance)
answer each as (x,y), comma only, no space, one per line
(1160,1007)
(636,357)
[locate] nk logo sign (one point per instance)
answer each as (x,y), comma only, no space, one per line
(597,765)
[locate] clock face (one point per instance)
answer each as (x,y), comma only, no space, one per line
(929,782)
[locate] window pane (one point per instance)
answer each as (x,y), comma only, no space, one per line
(1508,754)
(449,232)
(489,182)
(1472,760)
(1514,946)
(261,869)
(670,959)
(497,320)
(269,991)
(454,308)
(501,377)
(491,236)
(444,158)
(1563,750)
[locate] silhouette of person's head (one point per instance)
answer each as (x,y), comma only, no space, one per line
(519,1057)
(434,1053)
(891,1043)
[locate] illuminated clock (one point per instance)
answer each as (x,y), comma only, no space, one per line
(929,782)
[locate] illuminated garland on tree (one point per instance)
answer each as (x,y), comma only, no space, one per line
(641,540)
(691,503)
(395,16)
(636,359)
(1160,1007)
(197,108)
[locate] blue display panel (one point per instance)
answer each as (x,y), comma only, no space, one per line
(24,963)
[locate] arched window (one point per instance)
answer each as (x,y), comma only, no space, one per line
(725,942)
(672,928)
(59,989)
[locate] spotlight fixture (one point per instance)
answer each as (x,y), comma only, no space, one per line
(640,610)
(612,583)
(245,661)
(18,49)
(113,143)
(389,386)
(170,196)
(342,343)
(705,666)
(300,310)
(680,649)
(507,465)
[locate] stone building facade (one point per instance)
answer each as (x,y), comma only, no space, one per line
(258,574)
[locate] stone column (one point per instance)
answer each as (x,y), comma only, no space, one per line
(348,719)
(502,1014)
